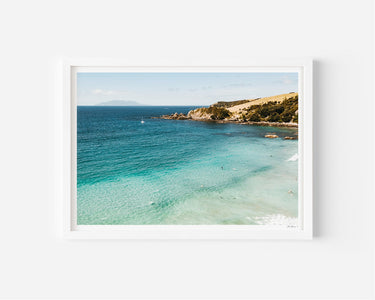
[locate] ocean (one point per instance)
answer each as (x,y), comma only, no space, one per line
(181,172)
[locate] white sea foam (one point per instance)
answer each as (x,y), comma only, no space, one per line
(277,220)
(293,158)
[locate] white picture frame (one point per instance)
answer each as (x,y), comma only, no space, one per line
(70,229)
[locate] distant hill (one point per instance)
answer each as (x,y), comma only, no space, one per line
(120,103)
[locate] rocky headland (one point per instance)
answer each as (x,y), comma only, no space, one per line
(278,111)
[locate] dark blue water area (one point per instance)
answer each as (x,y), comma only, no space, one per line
(113,142)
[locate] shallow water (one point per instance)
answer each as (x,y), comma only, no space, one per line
(181,172)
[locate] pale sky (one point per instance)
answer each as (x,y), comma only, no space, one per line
(181,88)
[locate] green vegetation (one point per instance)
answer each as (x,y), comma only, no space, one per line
(273,112)
(217,113)
(226,104)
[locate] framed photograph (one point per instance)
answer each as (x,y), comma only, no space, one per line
(188,152)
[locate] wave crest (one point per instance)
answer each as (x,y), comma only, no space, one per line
(293,158)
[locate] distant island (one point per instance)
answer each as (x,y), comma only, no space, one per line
(119,103)
(280,110)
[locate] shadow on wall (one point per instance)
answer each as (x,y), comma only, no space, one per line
(318,150)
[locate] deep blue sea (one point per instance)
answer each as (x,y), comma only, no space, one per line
(181,171)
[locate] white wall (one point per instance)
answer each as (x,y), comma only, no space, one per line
(338,263)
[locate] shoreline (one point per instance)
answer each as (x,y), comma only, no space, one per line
(274,111)
(263,123)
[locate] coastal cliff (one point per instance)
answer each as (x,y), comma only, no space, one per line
(279,110)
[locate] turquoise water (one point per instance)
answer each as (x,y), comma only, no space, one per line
(181,172)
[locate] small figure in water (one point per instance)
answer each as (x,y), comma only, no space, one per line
(222,167)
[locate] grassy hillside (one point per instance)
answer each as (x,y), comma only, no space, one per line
(214,113)
(285,111)
(248,104)
(275,109)
(227,104)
